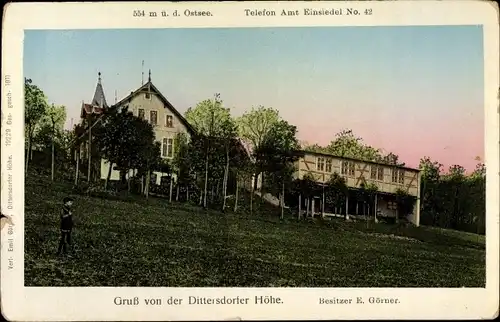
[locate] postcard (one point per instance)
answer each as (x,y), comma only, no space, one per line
(250,161)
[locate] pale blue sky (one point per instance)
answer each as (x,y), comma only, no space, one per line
(412,90)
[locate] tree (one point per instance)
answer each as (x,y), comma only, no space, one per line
(336,191)
(253,126)
(35,105)
(56,116)
(278,152)
(129,142)
(210,119)
(347,144)
(405,203)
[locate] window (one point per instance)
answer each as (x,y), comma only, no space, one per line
(380,174)
(320,165)
(392,205)
(345,166)
(167,149)
(147,95)
(377,173)
(351,168)
(395,173)
(153,117)
(402,176)
(328,165)
(169,121)
(141,113)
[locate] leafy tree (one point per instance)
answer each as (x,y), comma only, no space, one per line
(336,191)
(347,144)
(210,119)
(129,142)
(253,126)
(54,118)
(278,152)
(405,203)
(35,105)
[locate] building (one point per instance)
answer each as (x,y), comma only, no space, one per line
(148,102)
(387,178)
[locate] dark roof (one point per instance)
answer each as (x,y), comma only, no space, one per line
(99,98)
(90,109)
(302,152)
(98,104)
(150,87)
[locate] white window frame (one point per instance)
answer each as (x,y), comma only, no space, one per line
(165,150)
(380,173)
(328,165)
(320,164)
(351,169)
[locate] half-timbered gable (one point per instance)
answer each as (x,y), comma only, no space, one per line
(357,173)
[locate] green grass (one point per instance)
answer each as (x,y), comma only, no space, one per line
(153,243)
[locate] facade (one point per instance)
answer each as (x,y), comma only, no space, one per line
(148,103)
(387,178)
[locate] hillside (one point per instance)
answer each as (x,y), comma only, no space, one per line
(139,242)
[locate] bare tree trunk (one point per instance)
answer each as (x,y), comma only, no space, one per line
(307,207)
(282,199)
(142,184)
(177,192)
(206,182)
(187,193)
(224,183)
(171,188)
(251,198)
(77,166)
(148,179)
(236,195)
(53,160)
(29,150)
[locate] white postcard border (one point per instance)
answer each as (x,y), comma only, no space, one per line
(89,303)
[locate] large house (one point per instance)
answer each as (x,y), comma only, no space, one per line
(146,102)
(387,178)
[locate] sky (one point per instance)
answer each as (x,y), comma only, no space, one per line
(414,91)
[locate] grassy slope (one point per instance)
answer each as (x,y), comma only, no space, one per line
(153,243)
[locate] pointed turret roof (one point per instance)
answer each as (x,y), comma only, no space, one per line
(99,98)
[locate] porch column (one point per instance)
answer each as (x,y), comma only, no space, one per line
(416,219)
(376,208)
(312,206)
(300,206)
(323,202)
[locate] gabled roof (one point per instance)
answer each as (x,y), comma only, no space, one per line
(98,104)
(301,153)
(149,87)
(91,109)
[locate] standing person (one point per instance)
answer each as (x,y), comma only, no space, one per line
(66,224)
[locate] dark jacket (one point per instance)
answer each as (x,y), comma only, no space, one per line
(66,219)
